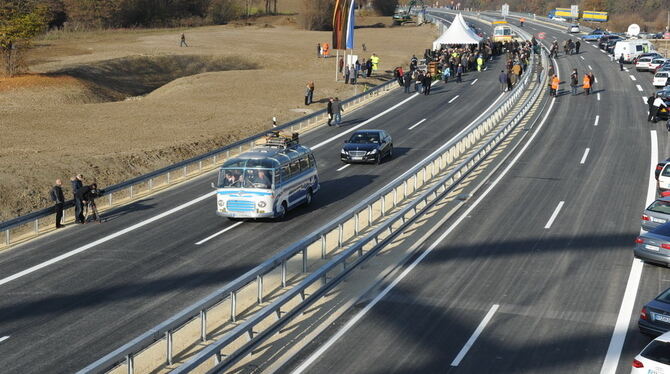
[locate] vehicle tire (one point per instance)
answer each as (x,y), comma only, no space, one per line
(281,213)
(390,154)
(308,197)
(378,160)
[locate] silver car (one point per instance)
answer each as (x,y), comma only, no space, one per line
(656,214)
(654,246)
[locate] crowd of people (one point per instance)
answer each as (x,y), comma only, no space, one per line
(85,209)
(586,82)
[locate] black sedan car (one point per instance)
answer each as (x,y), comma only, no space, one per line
(655,315)
(367,146)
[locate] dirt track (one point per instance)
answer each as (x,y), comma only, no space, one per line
(113,105)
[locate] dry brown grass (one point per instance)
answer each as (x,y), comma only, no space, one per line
(56,126)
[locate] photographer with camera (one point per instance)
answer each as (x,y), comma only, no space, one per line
(87,195)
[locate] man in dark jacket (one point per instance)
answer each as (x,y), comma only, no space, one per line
(577,45)
(502,78)
(650,104)
(87,195)
(621,62)
(407,81)
(427,80)
(329,109)
(59,199)
(78,205)
(574,82)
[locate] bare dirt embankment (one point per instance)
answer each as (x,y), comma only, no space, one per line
(116,104)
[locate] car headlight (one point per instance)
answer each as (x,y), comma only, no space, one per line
(343,151)
(372,152)
(221,203)
(262,204)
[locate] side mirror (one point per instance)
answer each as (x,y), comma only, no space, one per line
(346,141)
(213,186)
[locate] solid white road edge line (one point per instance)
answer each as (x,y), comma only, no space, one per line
(475,335)
(416,124)
(104,239)
(632,77)
(345,166)
(474,81)
(639,88)
(455,97)
(625,312)
(597,120)
(219,233)
(4,338)
(315,356)
(586,154)
(554,215)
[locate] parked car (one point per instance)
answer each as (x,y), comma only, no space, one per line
(572,29)
(656,62)
(606,39)
(659,167)
(655,315)
(661,79)
(653,54)
(656,214)
(664,67)
(654,358)
(654,246)
(367,146)
(595,35)
(643,63)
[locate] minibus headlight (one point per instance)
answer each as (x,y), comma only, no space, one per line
(221,203)
(261,204)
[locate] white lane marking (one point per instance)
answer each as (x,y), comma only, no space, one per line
(474,81)
(625,312)
(104,239)
(590,68)
(603,51)
(455,97)
(639,88)
(315,356)
(366,121)
(554,215)
(596,122)
(475,335)
(595,80)
(626,70)
(219,233)
(632,77)
(582,57)
(644,100)
(4,338)
(593,45)
(416,124)
(345,166)
(598,96)
(586,154)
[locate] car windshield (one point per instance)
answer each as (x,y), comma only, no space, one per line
(245,178)
(666,171)
(664,297)
(660,206)
(365,138)
(657,351)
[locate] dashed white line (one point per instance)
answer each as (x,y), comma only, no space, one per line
(598,96)
(597,120)
(4,338)
(219,233)
(632,77)
(411,127)
(346,166)
(474,81)
(639,88)
(582,57)
(595,80)
(475,335)
(628,303)
(455,97)
(603,51)
(593,45)
(626,70)
(590,68)
(586,154)
(554,215)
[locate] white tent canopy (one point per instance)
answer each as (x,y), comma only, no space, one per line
(458,33)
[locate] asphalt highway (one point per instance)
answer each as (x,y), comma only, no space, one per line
(533,278)
(73,296)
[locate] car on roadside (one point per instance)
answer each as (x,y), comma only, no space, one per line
(595,35)
(605,40)
(367,146)
(643,63)
(661,78)
(654,317)
(656,214)
(656,63)
(659,167)
(654,246)
(573,29)
(654,358)
(664,67)
(647,54)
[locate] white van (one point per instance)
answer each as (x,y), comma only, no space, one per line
(631,49)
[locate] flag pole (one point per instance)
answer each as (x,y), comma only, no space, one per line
(337,59)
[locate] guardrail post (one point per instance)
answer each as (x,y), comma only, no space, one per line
(283,273)
(356,223)
(214,160)
(200,165)
(131,192)
(369,215)
(323,246)
(304,260)
(395,197)
(168,339)
(233,306)
(151,184)
(7,237)
(37,226)
(383,199)
(130,364)
(168,178)
(184,171)
(259,285)
(203,325)
(340,235)
(110,199)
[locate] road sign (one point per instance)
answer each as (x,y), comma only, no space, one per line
(541,35)
(574,11)
(505,10)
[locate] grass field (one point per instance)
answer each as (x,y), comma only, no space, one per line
(116,104)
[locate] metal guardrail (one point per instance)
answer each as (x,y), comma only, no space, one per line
(318,244)
(32,224)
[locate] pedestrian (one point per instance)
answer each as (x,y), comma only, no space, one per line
(318,50)
(375,62)
(337,111)
(59,199)
(77,184)
(427,80)
(480,62)
(352,73)
(554,85)
(578,44)
(459,73)
(340,65)
(539,72)
(621,60)
(347,73)
(592,80)
(87,194)
(357,69)
(650,105)
(308,94)
(329,110)
(574,82)
(407,81)
(365,48)
(502,78)
(417,80)
(446,73)
(586,84)
(183,41)
(658,104)
(368,68)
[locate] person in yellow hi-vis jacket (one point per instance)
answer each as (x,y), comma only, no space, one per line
(375,62)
